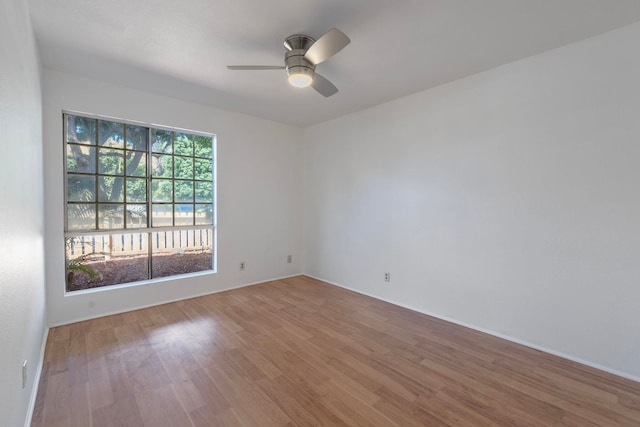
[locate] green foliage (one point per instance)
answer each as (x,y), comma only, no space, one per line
(110,161)
(78,265)
(136,138)
(81,158)
(162,190)
(203,170)
(136,163)
(203,146)
(161,141)
(161,166)
(204,192)
(81,130)
(136,190)
(110,189)
(80,188)
(110,134)
(119,152)
(183,167)
(184,191)
(183,144)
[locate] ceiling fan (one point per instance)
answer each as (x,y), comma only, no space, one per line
(302,56)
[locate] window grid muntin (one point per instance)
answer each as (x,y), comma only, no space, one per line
(174,179)
(97,121)
(149,229)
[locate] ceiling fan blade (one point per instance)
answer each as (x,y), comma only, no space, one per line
(323,86)
(256,67)
(332,42)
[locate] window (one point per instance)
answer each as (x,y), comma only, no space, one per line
(139,202)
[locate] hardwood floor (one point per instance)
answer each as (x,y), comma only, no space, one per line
(299,352)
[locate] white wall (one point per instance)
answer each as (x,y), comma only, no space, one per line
(22,306)
(508,200)
(259,194)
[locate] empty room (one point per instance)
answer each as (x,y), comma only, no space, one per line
(320,213)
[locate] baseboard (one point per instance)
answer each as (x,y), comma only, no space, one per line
(111,313)
(36,379)
(489,332)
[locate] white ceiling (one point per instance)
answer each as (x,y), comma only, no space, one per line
(181,48)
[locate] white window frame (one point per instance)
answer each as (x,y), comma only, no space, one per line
(149,229)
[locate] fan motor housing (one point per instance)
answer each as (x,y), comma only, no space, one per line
(296,64)
(297,46)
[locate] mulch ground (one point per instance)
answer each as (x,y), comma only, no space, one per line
(134,268)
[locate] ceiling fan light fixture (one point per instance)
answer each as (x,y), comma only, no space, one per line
(300,76)
(300,80)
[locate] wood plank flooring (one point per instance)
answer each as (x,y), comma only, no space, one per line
(300,352)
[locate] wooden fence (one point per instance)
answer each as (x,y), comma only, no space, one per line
(136,243)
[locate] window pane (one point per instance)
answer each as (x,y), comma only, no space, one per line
(110,189)
(81,159)
(184,167)
(162,166)
(204,214)
(107,177)
(110,161)
(162,215)
(81,217)
(183,144)
(110,216)
(203,146)
(110,134)
(203,170)
(81,188)
(161,141)
(136,138)
(181,251)
(136,216)
(136,190)
(184,215)
(184,191)
(102,260)
(204,192)
(162,190)
(136,163)
(81,130)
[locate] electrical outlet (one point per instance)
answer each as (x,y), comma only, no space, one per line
(242,266)
(289,258)
(24,373)
(387,277)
